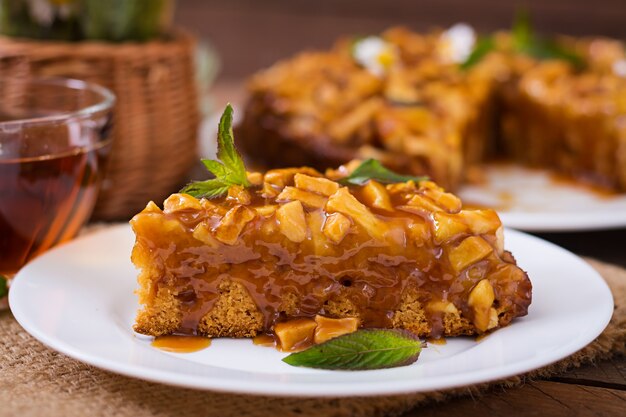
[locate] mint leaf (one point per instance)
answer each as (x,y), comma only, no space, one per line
(209,188)
(545,49)
(525,41)
(361,350)
(215,167)
(229,169)
(4,289)
(522,31)
(372,169)
(226,151)
(483,46)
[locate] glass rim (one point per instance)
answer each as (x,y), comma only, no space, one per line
(107,101)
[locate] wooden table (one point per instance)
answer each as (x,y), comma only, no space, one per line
(598,390)
(593,390)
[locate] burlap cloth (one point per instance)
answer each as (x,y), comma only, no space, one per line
(35,380)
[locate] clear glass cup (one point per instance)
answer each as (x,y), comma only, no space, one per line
(54,142)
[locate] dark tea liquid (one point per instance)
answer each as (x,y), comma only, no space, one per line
(44,201)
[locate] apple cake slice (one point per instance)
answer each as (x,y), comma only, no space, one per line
(298,244)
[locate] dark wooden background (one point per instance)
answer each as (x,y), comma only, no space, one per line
(250,34)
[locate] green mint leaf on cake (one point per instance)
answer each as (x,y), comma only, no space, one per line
(483,47)
(228,169)
(4,289)
(372,169)
(526,41)
(545,49)
(226,151)
(208,189)
(362,350)
(522,31)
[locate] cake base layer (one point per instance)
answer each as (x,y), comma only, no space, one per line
(235,315)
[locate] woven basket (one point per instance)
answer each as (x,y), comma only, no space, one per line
(156,114)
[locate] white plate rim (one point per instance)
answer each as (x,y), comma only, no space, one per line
(308,390)
(538,203)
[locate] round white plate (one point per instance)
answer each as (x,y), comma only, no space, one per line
(78,299)
(532,200)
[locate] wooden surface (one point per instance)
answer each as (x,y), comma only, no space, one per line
(541,398)
(250,34)
(596,391)
(589,391)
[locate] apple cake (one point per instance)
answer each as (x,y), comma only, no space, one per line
(297,245)
(414,102)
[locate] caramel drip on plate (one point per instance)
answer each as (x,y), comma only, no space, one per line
(267,340)
(436,341)
(181,343)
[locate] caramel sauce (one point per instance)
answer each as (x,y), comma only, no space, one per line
(471,205)
(436,340)
(505,202)
(597,186)
(271,340)
(181,344)
(268,340)
(373,273)
(587,184)
(481,337)
(303,344)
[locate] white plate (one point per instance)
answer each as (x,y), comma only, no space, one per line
(531,200)
(78,299)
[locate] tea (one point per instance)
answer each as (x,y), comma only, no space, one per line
(45,200)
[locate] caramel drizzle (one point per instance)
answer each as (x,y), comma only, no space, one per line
(269,271)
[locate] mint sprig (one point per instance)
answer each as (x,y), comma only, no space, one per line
(484,46)
(362,350)
(4,288)
(229,169)
(525,41)
(371,169)
(522,31)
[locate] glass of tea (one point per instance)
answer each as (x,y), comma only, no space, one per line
(54,142)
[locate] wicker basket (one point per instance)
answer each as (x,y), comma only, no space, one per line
(156,115)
